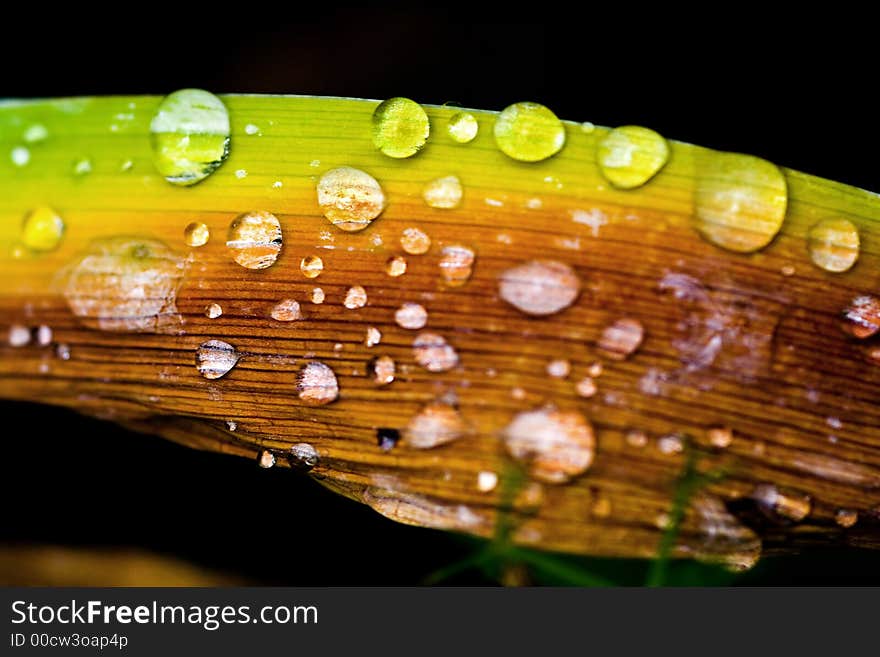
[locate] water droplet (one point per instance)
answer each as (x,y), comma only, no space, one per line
(601,507)
(395,266)
(44,335)
(846,517)
(213,311)
(788,270)
(630,156)
(20,156)
(518,393)
(456,264)
(317,296)
(374,336)
(241,173)
(266,459)
(540,287)
(432,352)
(317,384)
(190,136)
(19,336)
(382,369)
(414,241)
(311,266)
(62,352)
(462,127)
(277,184)
(621,339)
(833,244)
(350,198)
(486,481)
(587,127)
(387,438)
(215,358)
(437,423)
(555,445)
(411,316)
(534,204)
(636,438)
(671,444)
(862,316)
(529,132)
(559,368)
(586,387)
(42,229)
(784,505)
(251,129)
(35,132)
(444,193)
(196,234)
(595,369)
(720,437)
(286,310)
(400,127)
(255,239)
(356,297)
(82,166)
(662,521)
(303,457)
(740,201)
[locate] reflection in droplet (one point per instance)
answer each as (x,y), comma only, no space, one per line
(190,136)
(414,241)
(540,287)
(400,127)
(444,193)
(740,201)
(834,244)
(382,369)
(350,198)
(555,445)
(286,310)
(316,384)
(862,316)
(432,352)
(395,266)
(783,505)
(255,239)
(437,423)
(215,358)
(456,264)
(529,132)
(630,156)
(213,310)
(196,234)
(303,457)
(619,340)
(411,316)
(42,229)
(356,297)
(462,127)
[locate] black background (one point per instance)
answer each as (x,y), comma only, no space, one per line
(796,90)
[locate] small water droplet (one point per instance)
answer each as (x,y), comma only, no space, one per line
(19,336)
(62,352)
(303,457)
(231,425)
(317,296)
(779,504)
(215,358)
(395,266)
(190,136)
(788,270)
(350,198)
(833,244)
(486,481)
(462,127)
(444,193)
(636,438)
(213,310)
(862,316)
(316,384)
(630,156)
(559,368)
(82,166)
(662,521)
(255,239)
(540,287)
(720,437)
(277,184)
(411,316)
(266,459)
(414,241)
(671,444)
(251,129)
(437,423)
(382,369)
(619,340)
(311,266)
(595,369)
(286,310)
(432,352)
(601,507)
(846,517)
(400,127)
(587,127)
(529,132)
(196,234)
(456,264)
(534,204)
(241,173)
(740,201)
(35,132)
(387,438)
(20,156)
(42,229)
(555,445)
(834,422)
(586,387)
(43,335)
(356,297)
(374,336)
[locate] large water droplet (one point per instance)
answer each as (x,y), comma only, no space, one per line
(303,457)
(862,316)
(190,136)
(432,352)
(529,132)
(356,297)
(555,445)
(539,287)
(196,234)
(255,239)
(400,127)
(834,244)
(286,310)
(437,423)
(213,310)
(630,156)
(414,241)
(382,369)
(462,127)
(316,384)
(783,505)
(411,316)
(621,339)
(215,358)
(350,198)
(444,193)
(740,201)
(42,229)
(456,264)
